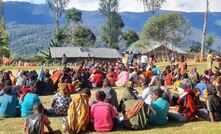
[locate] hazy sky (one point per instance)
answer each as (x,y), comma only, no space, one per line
(135,6)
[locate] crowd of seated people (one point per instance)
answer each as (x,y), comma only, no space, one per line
(150,96)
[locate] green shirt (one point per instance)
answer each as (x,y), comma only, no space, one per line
(161,107)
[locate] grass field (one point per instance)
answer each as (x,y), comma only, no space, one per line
(15,125)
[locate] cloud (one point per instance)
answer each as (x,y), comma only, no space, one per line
(135,6)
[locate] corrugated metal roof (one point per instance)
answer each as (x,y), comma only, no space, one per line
(153,45)
(75,52)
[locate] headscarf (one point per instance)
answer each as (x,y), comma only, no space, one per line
(78,113)
(63,89)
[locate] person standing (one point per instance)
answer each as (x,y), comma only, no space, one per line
(209,60)
(131,58)
(144,60)
(182,66)
(64,60)
(125,59)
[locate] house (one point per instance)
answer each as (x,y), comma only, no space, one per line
(79,54)
(158,47)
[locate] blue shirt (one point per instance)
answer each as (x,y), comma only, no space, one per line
(161,107)
(8,106)
(28,103)
(201,87)
(156,71)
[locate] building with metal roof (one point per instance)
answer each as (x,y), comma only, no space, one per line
(139,47)
(76,54)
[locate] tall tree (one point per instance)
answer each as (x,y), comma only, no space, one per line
(58,7)
(210,40)
(171,27)
(112,28)
(204,31)
(130,37)
(152,5)
(74,15)
(83,37)
(4,40)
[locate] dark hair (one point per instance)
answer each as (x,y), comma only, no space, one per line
(204,79)
(185,75)
(206,72)
(47,75)
(8,83)
(87,91)
(9,72)
(7,89)
(100,95)
(39,107)
(146,82)
(158,92)
(160,82)
(107,82)
(217,73)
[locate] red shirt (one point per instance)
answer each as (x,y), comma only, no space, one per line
(103,114)
(98,79)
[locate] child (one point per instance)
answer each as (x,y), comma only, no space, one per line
(34,123)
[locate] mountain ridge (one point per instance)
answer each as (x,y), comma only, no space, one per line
(29,23)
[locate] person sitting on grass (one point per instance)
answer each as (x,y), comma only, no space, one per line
(123,77)
(161,107)
(147,91)
(111,75)
(61,101)
(185,110)
(8,104)
(78,113)
(111,95)
(28,101)
(213,106)
(35,123)
(201,87)
(102,114)
(136,113)
(96,78)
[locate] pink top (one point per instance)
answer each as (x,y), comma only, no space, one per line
(123,77)
(103,114)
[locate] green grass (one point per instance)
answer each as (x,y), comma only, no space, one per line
(15,125)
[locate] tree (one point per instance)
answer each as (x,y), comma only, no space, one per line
(152,5)
(130,37)
(204,31)
(62,36)
(112,28)
(58,7)
(195,49)
(210,40)
(83,37)
(4,40)
(74,16)
(171,27)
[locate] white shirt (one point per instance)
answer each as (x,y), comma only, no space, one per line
(146,95)
(144,59)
